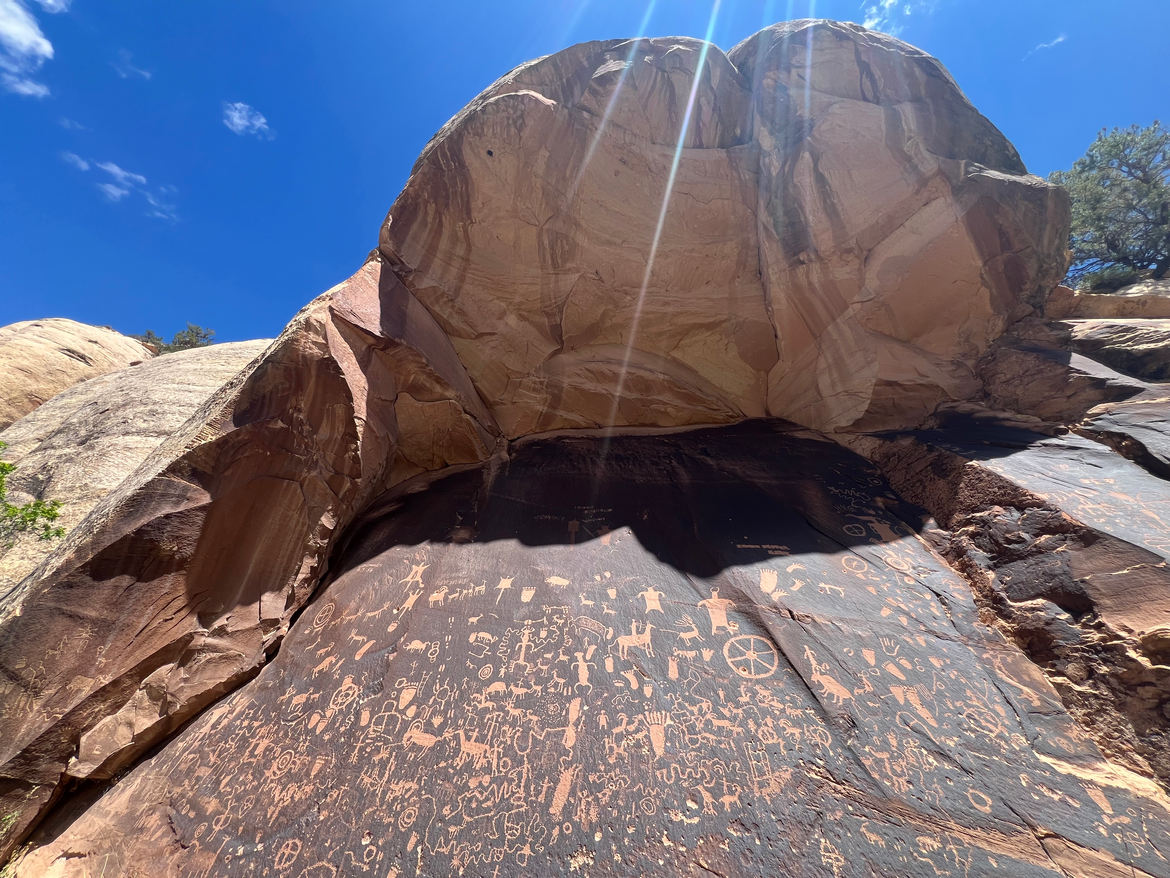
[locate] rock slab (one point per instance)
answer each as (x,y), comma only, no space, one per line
(721,651)
(40,358)
(83,442)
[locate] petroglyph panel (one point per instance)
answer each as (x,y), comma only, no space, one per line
(724,651)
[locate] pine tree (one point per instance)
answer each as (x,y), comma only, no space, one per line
(1120,192)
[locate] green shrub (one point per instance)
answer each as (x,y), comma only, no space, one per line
(35,517)
(194,336)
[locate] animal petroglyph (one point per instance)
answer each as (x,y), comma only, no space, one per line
(636,641)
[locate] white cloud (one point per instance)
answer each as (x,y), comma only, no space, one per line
(72,158)
(21,85)
(112,192)
(23,49)
(1040,48)
(243,119)
(158,203)
(125,178)
(55,5)
(70,125)
(889,16)
(125,69)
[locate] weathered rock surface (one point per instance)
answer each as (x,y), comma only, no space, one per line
(1066,544)
(517,660)
(40,358)
(1138,428)
(1048,383)
(723,651)
(1135,346)
(837,251)
(1148,299)
(82,443)
(191,569)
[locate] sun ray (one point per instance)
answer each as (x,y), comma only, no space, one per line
(808,60)
(686,124)
(613,99)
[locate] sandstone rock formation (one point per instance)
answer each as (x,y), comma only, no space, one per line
(193,567)
(1135,346)
(40,358)
(838,251)
(1149,299)
(734,650)
(706,652)
(83,442)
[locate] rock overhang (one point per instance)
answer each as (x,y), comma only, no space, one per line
(833,189)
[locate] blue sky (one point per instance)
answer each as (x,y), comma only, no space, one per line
(224,161)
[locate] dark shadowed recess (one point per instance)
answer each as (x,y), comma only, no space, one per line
(700,501)
(972,436)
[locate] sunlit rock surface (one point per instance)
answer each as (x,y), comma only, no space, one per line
(84,441)
(40,358)
(721,651)
(181,582)
(732,650)
(844,236)
(1147,299)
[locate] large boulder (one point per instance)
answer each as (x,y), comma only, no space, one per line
(836,239)
(40,358)
(626,235)
(190,571)
(83,442)
(1136,346)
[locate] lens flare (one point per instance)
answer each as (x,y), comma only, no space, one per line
(661,222)
(613,99)
(808,59)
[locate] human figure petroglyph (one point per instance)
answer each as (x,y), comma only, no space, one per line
(653,598)
(411,599)
(416,572)
(717,608)
(582,666)
(522,649)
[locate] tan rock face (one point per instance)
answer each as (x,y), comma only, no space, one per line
(40,358)
(82,443)
(192,568)
(1148,299)
(726,651)
(837,251)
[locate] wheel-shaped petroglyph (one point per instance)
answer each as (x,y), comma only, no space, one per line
(751,656)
